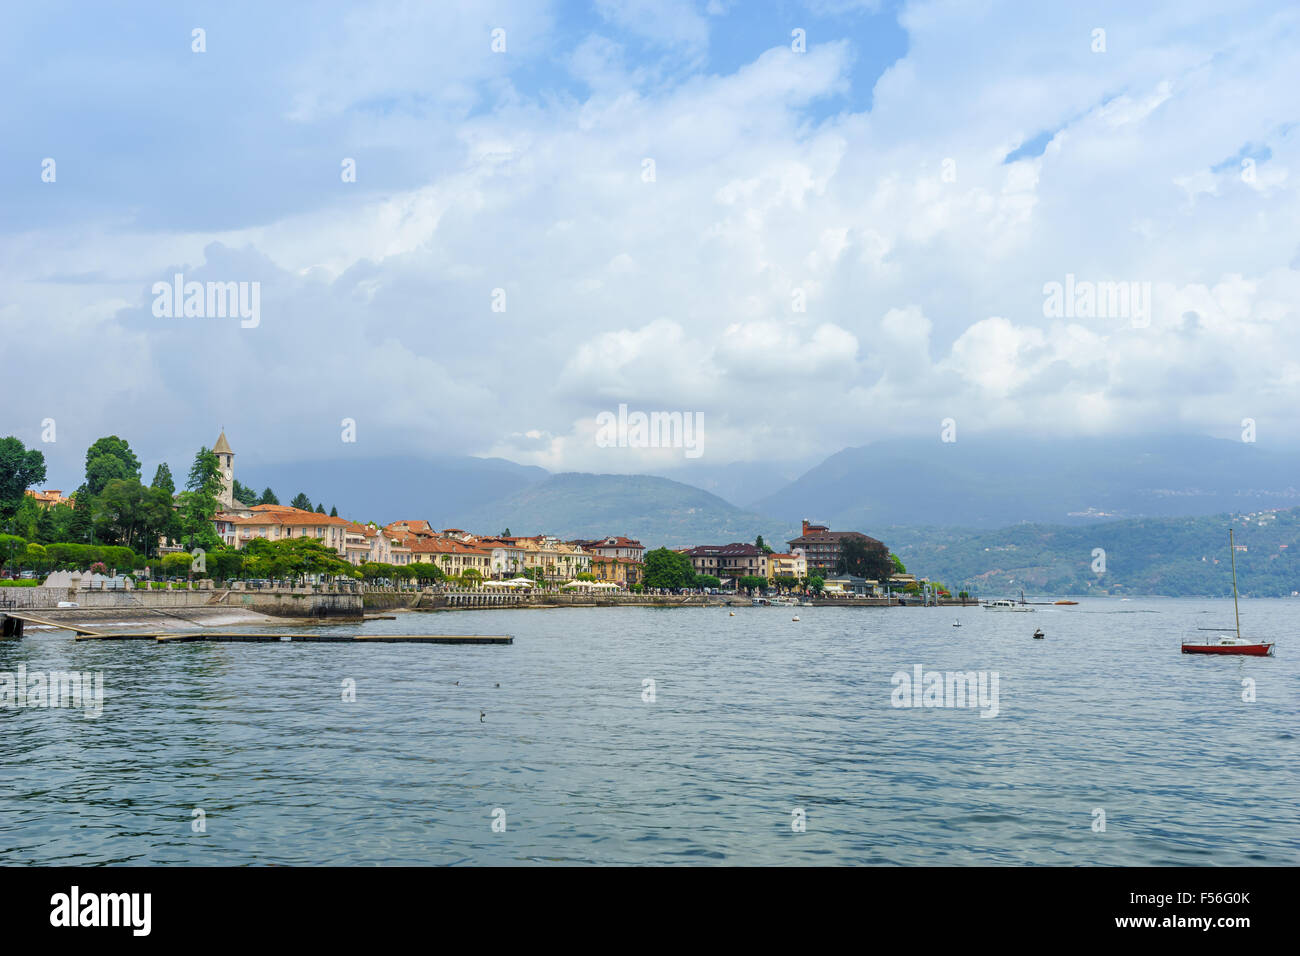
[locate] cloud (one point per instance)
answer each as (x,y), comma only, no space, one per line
(805,276)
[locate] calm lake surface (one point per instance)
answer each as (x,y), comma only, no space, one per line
(753,716)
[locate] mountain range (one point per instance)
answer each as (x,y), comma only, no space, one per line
(1175,557)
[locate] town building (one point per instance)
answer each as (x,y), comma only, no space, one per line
(729,561)
(849,584)
(281,522)
(792,565)
(52,496)
(559,561)
(453,557)
(616,559)
(823,547)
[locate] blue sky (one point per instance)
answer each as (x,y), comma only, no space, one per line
(915,178)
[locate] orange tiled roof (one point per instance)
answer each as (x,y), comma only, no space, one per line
(445,546)
(288,517)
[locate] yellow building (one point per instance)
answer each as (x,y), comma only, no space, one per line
(792,565)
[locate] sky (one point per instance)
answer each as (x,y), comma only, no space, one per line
(813,225)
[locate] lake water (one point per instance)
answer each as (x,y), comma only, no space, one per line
(753,717)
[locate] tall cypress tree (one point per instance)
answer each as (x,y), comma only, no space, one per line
(162,478)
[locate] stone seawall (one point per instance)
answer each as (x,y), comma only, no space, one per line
(295,605)
(278,603)
(390,600)
(42,597)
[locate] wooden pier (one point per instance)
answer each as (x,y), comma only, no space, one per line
(122,636)
(266,638)
(434,638)
(13,628)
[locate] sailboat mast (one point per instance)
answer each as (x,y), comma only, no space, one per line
(1232,550)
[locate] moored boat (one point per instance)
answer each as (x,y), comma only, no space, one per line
(1005,605)
(1235,644)
(1231,645)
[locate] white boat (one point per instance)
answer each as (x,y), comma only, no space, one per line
(1008,605)
(1005,605)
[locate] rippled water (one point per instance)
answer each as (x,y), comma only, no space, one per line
(754,715)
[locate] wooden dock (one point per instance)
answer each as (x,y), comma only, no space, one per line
(122,636)
(435,638)
(186,637)
(252,637)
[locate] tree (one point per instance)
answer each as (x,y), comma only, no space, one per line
(334,512)
(129,513)
(705,581)
(268,498)
(301,501)
(378,571)
(109,458)
(294,558)
(36,558)
(20,469)
(162,478)
(425,571)
(752,582)
(225,563)
(26,518)
(81,524)
(199,500)
(898,563)
(759,543)
(816,584)
(668,569)
(11,547)
(242,493)
(320,509)
(176,565)
(48,528)
(864,558)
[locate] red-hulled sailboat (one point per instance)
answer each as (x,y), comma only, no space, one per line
(1236,644)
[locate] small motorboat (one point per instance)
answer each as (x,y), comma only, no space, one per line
(1038,634)
(956,623)
(1065,602)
